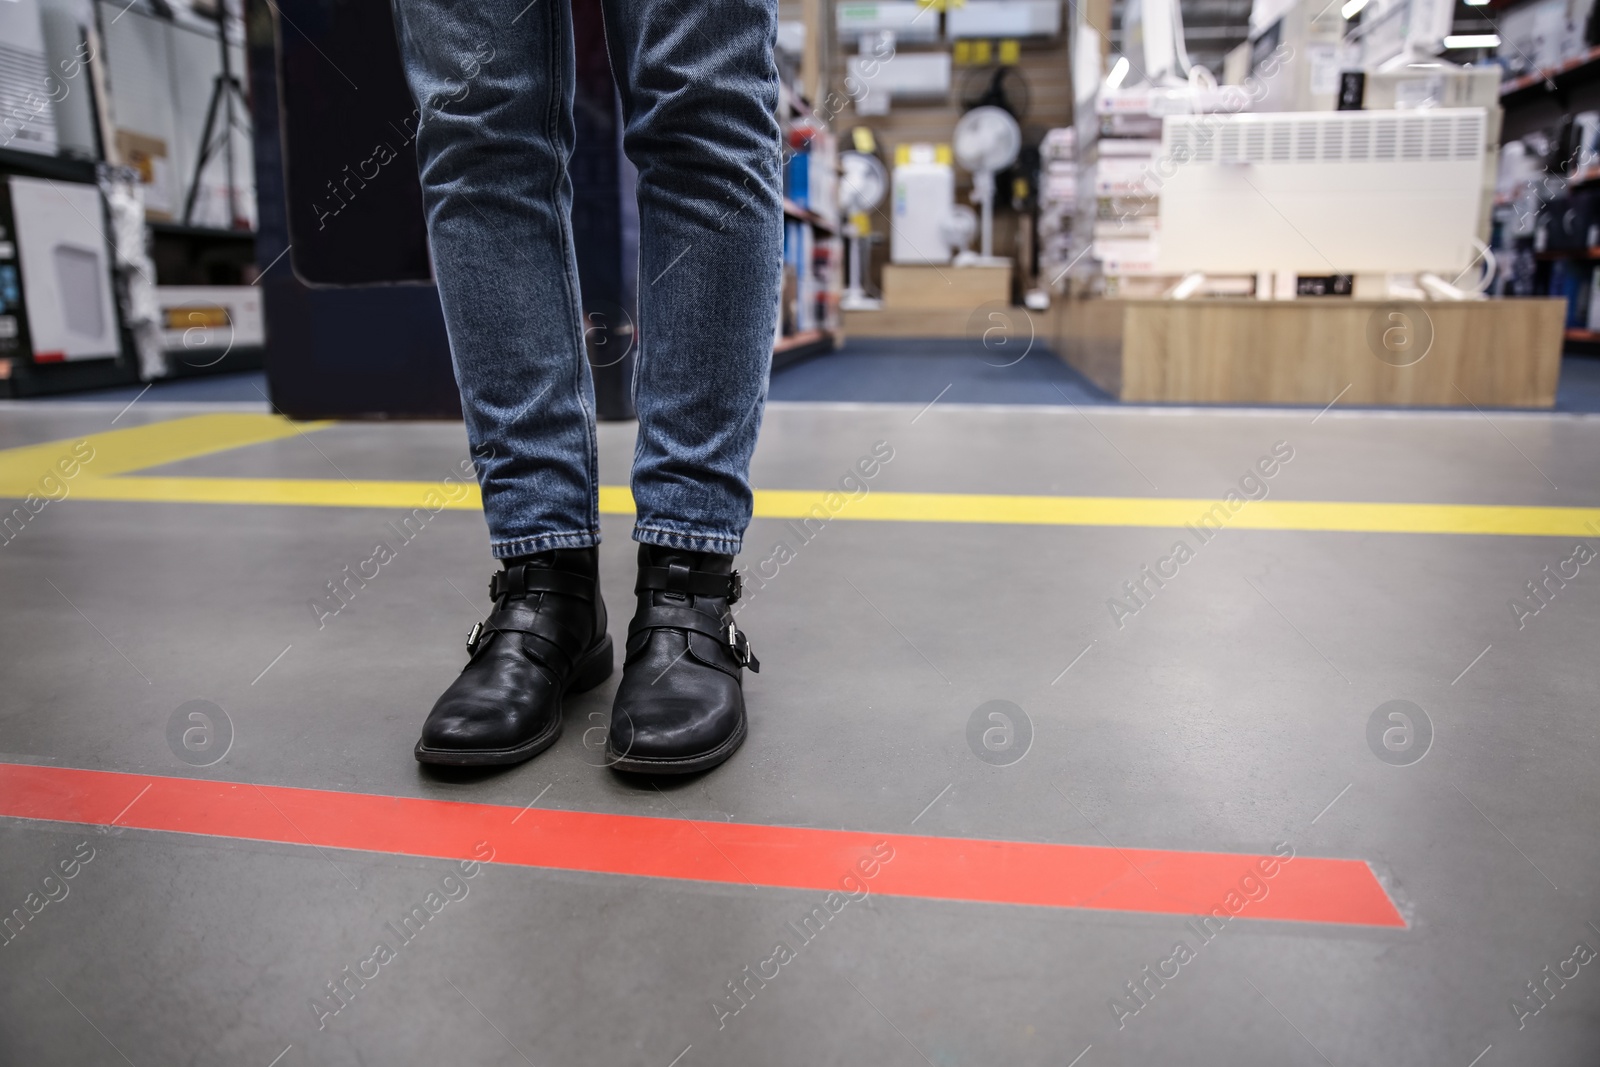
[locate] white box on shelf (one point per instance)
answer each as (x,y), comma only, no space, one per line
(906,19)
(906,74)
(923,194)
(1004,18)
(1135,256)
(1123,147)
(1125,177)
(66,270)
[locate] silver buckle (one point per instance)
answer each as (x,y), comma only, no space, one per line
(473,637)
(738,644)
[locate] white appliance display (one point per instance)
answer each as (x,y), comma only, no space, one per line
(26,85)
(906,19)
(210,320)
(1003,18)
(924,192)
(1321,192)
(66,270)
(904,75)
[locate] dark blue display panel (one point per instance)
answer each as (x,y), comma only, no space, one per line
(354,327)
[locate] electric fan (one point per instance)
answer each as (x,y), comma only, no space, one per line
(862,185)
(987,141)
(958,229)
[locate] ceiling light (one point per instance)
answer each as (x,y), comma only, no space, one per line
(1472,40)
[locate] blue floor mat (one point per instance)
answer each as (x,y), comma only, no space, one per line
(247,387)
(912,370)
(869,370)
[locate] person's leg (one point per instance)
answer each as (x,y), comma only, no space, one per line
(493,82)
(699,90)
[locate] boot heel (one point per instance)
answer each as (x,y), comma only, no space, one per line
(594,668)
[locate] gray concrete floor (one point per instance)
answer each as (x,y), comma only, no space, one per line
(1230,714)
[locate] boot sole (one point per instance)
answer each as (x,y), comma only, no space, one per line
(682,764)
(595,667)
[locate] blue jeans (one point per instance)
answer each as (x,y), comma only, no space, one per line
(494,83)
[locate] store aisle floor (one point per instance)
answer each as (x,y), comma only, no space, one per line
(1027,782)
(867,369)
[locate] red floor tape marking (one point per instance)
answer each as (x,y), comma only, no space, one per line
(1304,889)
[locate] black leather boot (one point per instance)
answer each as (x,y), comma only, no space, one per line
(545,638)
(680,707)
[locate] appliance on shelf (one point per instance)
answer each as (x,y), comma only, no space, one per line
(987,141)
(903,75)
(55,273)
(863,184)
(201,324)
(924,189)
(1296,58)
(1003,18)
(26,86)
(1368,193)
(906,19)
(960,227)
(1398,33)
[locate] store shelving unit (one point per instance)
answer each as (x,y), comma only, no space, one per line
(813,243)
(1570,72)
(795,211)
(1545,100)
(1542,98)
(21,376)
(802,342)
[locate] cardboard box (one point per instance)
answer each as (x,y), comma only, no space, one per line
(148,156)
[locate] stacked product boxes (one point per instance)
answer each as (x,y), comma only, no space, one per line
(1119,198)
(1061,245)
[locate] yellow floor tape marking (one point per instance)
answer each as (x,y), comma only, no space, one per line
(141,447)
(883,506)
(1173,513)
(119,452)
(305,492)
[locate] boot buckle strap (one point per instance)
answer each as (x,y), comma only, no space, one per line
(739,647)
(523,580)
(677,578)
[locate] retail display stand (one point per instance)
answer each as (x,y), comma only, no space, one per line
(1246,351)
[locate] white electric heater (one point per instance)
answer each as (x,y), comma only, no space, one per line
(1335,192)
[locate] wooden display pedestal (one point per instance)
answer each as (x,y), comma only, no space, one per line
(1492,353)
(932,300)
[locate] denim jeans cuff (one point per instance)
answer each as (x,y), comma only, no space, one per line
(526,546)
(721,544)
